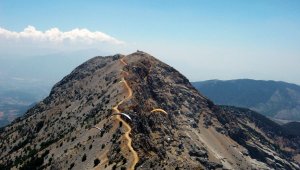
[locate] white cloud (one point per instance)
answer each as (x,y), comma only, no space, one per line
(54,35)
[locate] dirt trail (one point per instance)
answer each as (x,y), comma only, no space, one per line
(123,62)
(126,125)
(159,110)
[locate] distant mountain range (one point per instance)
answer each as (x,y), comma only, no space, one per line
(275,99)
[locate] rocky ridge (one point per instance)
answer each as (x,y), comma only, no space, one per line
(76,126)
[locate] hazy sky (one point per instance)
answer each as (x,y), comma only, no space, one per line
(204,39)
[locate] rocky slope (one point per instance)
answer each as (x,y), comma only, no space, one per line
(275,99)
(170,125)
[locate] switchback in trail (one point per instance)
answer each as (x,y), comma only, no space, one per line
(126,125)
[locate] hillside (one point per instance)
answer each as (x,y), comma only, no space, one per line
(278,100)
(135,112)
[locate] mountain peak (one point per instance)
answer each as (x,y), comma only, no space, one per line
(134,111)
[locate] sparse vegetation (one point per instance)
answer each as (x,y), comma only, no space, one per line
(72,165)
(83,158)
(96,162)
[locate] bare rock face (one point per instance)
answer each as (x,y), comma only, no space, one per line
(165,124)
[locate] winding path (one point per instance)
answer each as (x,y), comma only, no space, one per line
(126,125)
(159,110)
